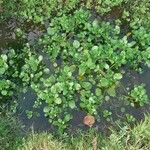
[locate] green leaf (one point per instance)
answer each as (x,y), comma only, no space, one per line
(68,117)
(46,109)
(123,109)
(117,76)
(40,58)
(95,23)
(90,64)
(50,31)
(4,92)
(76,44)
(94,48)
(29,114)
(2,71)
(72,104)
(104,82)
(106,66)
(4,57)
(46,70)
(98,92)
(77,86)
(107,98)
(58,101)
(112,91)
(87,85)
(82,69)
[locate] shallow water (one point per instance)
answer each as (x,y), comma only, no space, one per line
(26,101)
(114,105)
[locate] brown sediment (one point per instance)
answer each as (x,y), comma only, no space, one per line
(115,13)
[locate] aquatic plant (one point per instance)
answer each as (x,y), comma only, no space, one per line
(138,95)
(17,70)
(39,12)
(86,50)
(90,54)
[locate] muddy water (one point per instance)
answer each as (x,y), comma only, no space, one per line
(26,101)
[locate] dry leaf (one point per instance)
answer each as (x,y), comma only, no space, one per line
(81,77)
(89,120)
(94,143)
(128,34)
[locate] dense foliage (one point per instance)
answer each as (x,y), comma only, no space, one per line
(87,44)
(39,11)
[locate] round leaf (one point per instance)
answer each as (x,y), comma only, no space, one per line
(76,44)
(104,82)
(72,104)
(58,101)
(117,76)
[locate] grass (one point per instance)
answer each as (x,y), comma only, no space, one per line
(43,141)
(10,132)
(123,138)
(137,138)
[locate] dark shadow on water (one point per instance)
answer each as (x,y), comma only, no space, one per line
(26,102)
